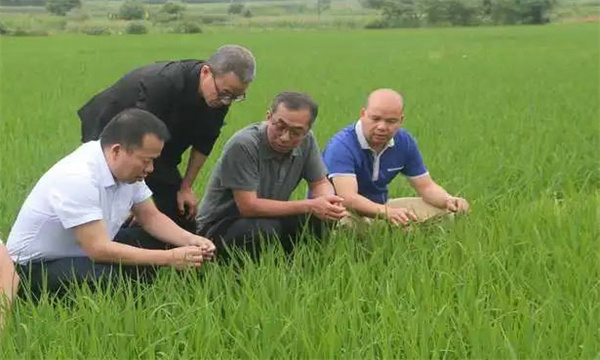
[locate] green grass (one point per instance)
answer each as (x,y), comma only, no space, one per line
(507,117)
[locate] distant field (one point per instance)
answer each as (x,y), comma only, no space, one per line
(507,117)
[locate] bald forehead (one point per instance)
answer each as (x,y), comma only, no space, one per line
(385,99)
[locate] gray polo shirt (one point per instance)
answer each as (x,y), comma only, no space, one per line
(248,163)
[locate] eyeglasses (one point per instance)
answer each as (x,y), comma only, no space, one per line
(294,133)
(224,96)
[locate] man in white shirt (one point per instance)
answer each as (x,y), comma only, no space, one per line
(65,229)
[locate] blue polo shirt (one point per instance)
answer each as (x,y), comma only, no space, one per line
(349,154)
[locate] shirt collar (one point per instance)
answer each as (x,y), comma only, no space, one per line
(269,152)
(106,177)
(363,141)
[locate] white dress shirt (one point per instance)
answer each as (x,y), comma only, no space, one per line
(78,189)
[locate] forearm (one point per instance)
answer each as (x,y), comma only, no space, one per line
(321,188)
(273,208)
(114,252)
(434,195)
(363,206)
(9,281)
(195,163)
(164,229)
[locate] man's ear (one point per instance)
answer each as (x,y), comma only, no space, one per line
(115,150)
(402,119)
(269,116)
(363,112)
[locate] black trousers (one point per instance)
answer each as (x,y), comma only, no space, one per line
(56,276)
(165,198)
(251,234)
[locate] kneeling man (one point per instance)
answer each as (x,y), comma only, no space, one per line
(365,157)
(65,229)
(261,165)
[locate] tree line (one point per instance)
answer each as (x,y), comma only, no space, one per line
(415,13)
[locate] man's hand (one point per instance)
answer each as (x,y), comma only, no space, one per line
(207,246)
(328,207)
(187,203)
(185,256)
(400,216)
(457,204)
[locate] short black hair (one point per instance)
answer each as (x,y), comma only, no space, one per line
(129,127)
(296,101)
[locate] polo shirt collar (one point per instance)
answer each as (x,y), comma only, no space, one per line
(106,177)
(269,152)
(363,141)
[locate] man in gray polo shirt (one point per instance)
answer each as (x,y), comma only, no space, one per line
(261,165)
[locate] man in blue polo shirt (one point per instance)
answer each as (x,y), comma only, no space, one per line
(366,156)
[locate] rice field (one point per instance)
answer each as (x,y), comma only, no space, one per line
(507,117)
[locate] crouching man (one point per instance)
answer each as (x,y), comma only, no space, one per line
(69,227)
(247,198)
(366,156)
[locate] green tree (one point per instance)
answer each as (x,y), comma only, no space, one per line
(235,8)
(61,7)
(172,8)
(132,10)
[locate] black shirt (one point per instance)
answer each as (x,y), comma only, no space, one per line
(169,90)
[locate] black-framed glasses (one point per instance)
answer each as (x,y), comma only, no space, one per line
(294,133)
(225,96)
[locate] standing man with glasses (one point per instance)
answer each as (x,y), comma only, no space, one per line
(192,98)
(248,194)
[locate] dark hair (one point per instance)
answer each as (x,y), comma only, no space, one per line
(296,101)
(129,127)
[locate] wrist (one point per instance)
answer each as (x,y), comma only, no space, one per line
(307,206)
(167,257)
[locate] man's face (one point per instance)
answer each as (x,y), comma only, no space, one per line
(220,90)
(287,128)
(380,122)
(131,165)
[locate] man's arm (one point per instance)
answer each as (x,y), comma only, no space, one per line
(324,207)
(161,227)
(9,283)
(347,188)
(320,188)
(435,195)
(93,238)
(186,199)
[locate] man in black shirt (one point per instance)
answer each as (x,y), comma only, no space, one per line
(192,98)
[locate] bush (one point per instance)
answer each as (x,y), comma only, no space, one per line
(376,24)
(132,10)
(172,8)
(95,30)
(161,17)
(235,8)
(61,7)
(3,29)
(28,32)
(214,19)
(136,28)
(187,27)
(247,13)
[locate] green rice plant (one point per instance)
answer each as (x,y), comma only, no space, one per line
(506,117)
